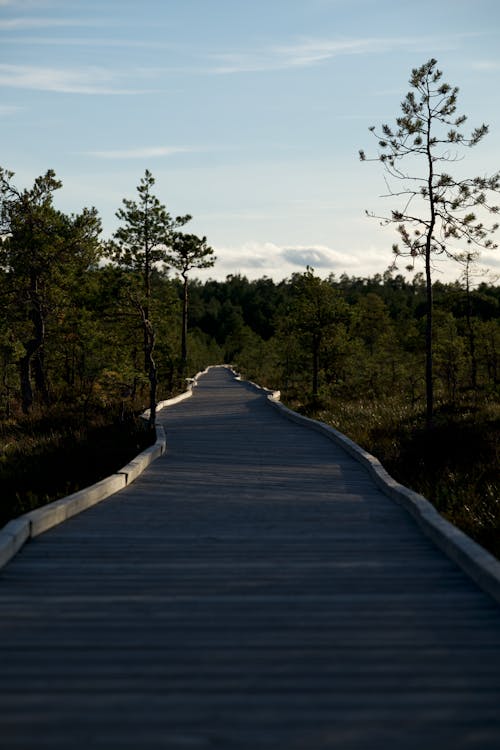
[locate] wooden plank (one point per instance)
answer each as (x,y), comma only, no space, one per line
(252,589)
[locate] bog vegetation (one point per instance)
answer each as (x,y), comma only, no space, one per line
(93,332)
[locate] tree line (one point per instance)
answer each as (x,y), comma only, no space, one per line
(95,323)
(351,337)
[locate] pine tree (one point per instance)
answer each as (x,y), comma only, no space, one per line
(138,246)
(439,212)
(41,250)
(187,251)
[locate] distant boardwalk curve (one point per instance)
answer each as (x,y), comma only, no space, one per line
(254,590)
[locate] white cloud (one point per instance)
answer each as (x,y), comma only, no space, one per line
(308,52)
(69,41)
(272,58)
(485,65)
(258,259)
(89,80)
(13,24)
(319,257)
(249,256)
(29,3)
(140,153)
(490,260)
(315,51)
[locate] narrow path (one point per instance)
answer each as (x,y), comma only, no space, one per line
(252,590)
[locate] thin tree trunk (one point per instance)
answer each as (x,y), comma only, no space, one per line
(470,328)
(429,377)
(153,387)
(32,349)
(185,302)
(147,285)
(145,347)
(149,345)
(152,372)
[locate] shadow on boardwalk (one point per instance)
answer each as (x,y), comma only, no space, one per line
(253,589)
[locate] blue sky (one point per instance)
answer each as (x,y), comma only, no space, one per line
(250,114)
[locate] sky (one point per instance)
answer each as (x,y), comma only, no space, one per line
(249,113)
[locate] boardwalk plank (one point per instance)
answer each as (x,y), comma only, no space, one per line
(253,589)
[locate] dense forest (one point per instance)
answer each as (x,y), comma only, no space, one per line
(81,324)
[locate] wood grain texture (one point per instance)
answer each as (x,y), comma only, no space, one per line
(252,589)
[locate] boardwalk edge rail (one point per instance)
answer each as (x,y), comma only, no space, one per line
(18,531)
(476,561)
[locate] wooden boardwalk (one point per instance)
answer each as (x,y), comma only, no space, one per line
(253,589)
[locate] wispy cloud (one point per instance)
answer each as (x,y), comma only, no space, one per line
(485,65)
(91,41)
(89,80)
(29,3)
(275,58)
(309,52)
(140,153)
(13,24)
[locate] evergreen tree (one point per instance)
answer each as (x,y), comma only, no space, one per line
(187,251)
(138,246)
(439,212)
(314,312)
(41,253)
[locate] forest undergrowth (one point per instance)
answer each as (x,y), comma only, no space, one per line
(44,458)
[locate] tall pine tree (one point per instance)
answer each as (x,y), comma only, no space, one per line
(439,212)
(138,246)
